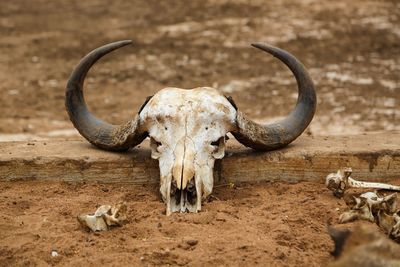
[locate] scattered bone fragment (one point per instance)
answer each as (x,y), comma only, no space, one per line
(94,223)
(336,182)
(359,210)
(363,213)
(104,217)
(340,181)
(367,206)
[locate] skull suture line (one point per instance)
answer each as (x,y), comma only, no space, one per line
(187,128)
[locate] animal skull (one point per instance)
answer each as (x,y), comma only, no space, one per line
(187,128)
(187,131)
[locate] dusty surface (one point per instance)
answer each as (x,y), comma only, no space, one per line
(350,48)
(269,224)
(265,224)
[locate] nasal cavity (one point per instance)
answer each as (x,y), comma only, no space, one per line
(191,192)
(191,186)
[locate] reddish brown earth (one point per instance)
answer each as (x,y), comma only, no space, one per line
(351,49)
(266,224)
(261,224)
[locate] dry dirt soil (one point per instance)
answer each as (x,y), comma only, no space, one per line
(351,49)
(267,224)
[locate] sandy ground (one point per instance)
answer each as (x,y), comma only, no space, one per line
(269,224)
(351,49)
(264,224)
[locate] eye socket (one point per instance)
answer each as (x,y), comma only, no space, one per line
(153,141)
(216,143)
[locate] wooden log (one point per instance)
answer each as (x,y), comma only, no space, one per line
(373,157)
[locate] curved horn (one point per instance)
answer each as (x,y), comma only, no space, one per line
(98,132)
(280,134)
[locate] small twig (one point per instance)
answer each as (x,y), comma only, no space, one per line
(214,197)
(221,185)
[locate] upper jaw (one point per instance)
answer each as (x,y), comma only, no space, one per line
(187,199)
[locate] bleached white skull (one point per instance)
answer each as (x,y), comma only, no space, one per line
(187,128)
(187,131)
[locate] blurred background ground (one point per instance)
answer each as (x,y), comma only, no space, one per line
(351,49)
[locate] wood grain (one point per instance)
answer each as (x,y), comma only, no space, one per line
(373,157)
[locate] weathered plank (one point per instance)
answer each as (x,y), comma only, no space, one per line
(373,157)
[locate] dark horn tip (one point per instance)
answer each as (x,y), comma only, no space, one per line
(124,42)
(258,44)
(267,48)
(119,44)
